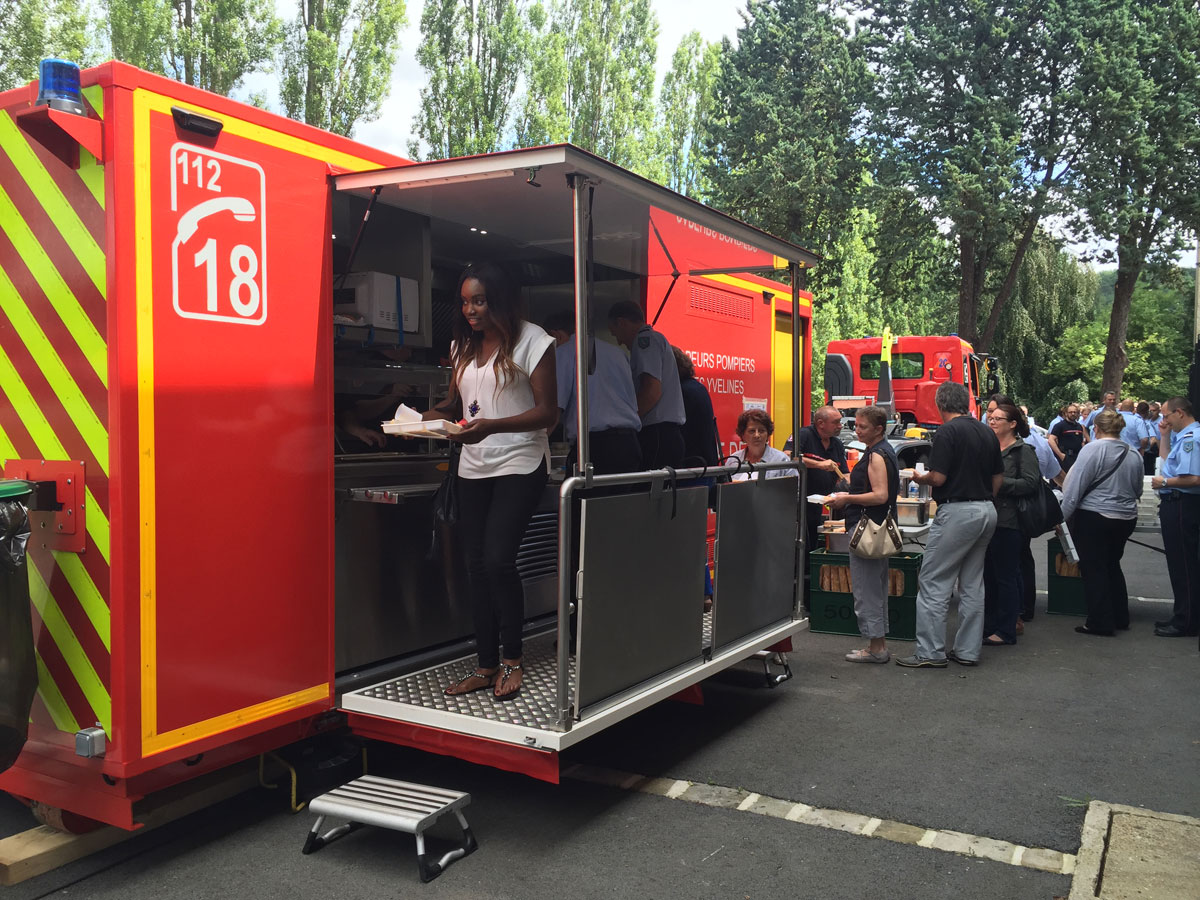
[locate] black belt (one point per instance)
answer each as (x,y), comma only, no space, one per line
(1177,495)
(966,500)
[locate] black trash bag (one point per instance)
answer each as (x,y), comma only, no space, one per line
(18,669)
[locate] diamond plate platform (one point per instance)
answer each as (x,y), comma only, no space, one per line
(531,719)
(534,707)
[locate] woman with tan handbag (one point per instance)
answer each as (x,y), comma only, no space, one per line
(874,484)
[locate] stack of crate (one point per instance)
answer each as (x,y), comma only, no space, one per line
(1147,510)
(1064,586)
(831,597)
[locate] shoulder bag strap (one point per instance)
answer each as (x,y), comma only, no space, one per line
(1107,475)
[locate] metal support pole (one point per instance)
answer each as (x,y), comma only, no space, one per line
(566,589)
(583,333)
(797,411)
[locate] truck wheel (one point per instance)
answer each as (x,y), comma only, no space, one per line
(63,820)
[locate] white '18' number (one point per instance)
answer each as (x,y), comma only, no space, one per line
(243,263)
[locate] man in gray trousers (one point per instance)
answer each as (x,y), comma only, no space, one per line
(965,471)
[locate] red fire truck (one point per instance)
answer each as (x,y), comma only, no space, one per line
(196,294)
(919,364)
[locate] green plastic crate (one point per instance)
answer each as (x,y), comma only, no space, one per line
(832,612)
(1064,593)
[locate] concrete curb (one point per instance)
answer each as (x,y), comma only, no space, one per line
(1099,844)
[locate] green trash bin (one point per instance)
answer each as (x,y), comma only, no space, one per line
(18,668)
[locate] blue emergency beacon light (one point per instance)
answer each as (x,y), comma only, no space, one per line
(58,86)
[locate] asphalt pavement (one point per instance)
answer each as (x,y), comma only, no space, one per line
(1011,750)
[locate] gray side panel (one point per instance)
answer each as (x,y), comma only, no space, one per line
(755,562)
(641,613)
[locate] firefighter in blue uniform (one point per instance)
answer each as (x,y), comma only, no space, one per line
(1178,488)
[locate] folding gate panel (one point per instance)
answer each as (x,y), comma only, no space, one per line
(755,558)
(642,558)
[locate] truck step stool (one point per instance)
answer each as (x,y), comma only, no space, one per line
(399,805)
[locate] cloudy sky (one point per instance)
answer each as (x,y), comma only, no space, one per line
(714,19)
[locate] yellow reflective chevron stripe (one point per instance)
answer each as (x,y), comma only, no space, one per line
(51,366)
(97,525)
(57,706)
(52,200)
(68,645)
(86,592)
(31,415)
(91,172)
(51,282)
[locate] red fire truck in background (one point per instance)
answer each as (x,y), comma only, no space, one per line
(918,365)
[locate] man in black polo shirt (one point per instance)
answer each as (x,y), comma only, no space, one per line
(817,445)
(1067,437)
(965,471)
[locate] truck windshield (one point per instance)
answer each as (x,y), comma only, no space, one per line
(904,365)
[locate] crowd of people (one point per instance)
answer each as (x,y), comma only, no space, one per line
(978,548)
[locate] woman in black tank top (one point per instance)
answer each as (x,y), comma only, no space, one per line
(874,484)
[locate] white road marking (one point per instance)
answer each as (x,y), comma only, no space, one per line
(1044,860)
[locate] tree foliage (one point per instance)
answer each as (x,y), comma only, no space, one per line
(1138,185)
(1158,344)
(686,103)
(473,53)
(31,30)
(977,108)
(210,44)
(781,152)
(337,60)
(591,79)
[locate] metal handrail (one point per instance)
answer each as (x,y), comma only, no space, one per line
(565,570)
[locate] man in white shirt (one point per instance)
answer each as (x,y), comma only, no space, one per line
(613,420)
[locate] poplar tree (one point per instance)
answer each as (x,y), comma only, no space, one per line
(209,44)
(685,105)
(337,61)
(591,79)
(31,30)
(473,53)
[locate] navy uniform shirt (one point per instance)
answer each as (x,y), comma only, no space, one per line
(652,355)
(820,481)
(611,400)
(1183,458)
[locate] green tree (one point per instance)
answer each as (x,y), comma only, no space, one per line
(781,149)
(591,79)
(473,53)
(978,110)
(1139,179)
(31,30)
(1053,293)
(685,105)
(337,61)
(1158,341)
(210,44)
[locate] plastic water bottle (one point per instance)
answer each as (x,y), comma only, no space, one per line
(914,490)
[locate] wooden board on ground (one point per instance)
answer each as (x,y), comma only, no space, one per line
(42,849)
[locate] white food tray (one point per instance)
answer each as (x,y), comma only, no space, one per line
(433,428)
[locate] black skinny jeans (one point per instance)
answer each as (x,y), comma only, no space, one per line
(493,514)
(1100,543)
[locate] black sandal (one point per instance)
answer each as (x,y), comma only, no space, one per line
(489,681)
(506,671)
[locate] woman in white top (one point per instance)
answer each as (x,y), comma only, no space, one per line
(505,390)
(754,429)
